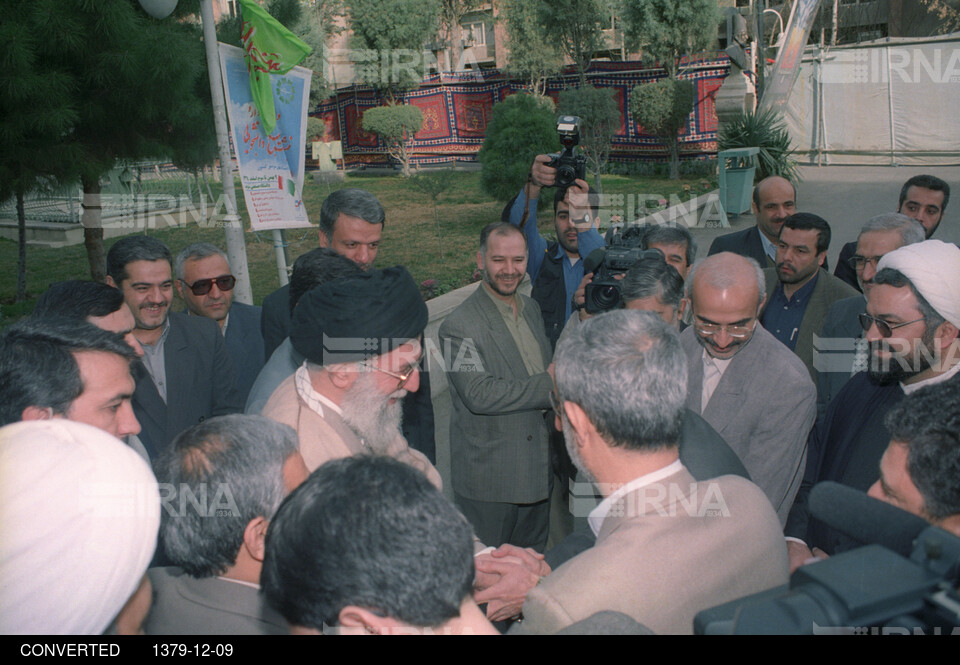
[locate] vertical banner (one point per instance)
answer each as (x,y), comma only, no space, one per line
(776,89)
(271,166)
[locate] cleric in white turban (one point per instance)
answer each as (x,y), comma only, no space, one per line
(79,513)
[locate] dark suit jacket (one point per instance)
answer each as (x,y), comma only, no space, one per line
(745,243)
(841,328)
(245,345)
(184,605)
(275,319)
(201,382)
(498,438)
(827,291)
(843,270)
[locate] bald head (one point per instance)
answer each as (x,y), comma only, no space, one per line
(774,199)
(726,271)
(726,291)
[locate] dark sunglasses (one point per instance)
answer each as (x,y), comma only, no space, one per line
(202,287)
(884,328)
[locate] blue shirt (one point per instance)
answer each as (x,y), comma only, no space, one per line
(783,316)
(587,241)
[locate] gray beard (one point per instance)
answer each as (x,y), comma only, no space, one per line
(369,414)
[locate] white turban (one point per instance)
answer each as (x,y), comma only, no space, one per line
(79,514)
(933,266)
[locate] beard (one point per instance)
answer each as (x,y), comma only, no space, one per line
(900,366)
(370,414)
(570,439)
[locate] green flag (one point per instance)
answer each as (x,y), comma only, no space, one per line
(269,48)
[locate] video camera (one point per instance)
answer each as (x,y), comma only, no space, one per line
(569,166)
(904,582)
(604,293)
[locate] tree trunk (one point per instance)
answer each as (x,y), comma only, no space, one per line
(674,145)
(21,250)
(92,220)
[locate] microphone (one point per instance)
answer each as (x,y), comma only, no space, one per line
(593,260)
(865,519)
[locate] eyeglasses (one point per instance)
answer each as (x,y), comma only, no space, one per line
(202,287)
(884,328)
(858,262)
(735,331)
(403,378)
(555,402)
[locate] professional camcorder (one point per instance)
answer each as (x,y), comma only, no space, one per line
(569,166)
(604,293)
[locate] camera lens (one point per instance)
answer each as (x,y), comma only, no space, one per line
(604,297)
(565,176)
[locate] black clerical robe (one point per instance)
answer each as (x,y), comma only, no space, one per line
(845,448)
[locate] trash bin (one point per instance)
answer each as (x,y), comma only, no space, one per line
(737,169)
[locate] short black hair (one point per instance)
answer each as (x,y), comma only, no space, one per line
(135,248)
(77,299)
(372,532)
(240,454)
(926,182)
(653,277)
(316,267)
(37,367)
(928,423)
(351,201)
(593,199)
(670,234)
(807,221)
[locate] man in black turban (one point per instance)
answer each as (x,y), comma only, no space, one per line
(362,340)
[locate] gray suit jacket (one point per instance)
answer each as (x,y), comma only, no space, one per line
(764,407)
(245,344)
(498,438)
(827,291)
(676,547)
(184,605)
(201,382)
(841,327)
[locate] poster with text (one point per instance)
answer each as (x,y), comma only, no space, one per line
(271,167)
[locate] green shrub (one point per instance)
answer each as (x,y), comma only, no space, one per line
(599,121)
(522,126)
(768,132)
(662,108)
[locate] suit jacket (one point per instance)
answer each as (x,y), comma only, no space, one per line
(184,605)
(843,270)
(840,323)
(275,319)
(328,437)
(826,291)
(201,382)
(764,407)
(498,438)
(245,345)
(745,243)
(283,363)
(673,548)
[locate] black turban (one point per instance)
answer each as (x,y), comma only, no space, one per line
(359,317)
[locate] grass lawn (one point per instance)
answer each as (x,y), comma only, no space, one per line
(409,238)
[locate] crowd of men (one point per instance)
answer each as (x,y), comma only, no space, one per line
(234,470)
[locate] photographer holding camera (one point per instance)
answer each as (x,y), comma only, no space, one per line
(556,268)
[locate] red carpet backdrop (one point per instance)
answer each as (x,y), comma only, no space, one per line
(457,107)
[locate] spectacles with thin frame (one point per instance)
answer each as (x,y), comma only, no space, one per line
(404,377)
(555,402)
(858,262)
(202,287)
(735,331)
(884,328)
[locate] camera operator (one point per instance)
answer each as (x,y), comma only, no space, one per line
(556,268)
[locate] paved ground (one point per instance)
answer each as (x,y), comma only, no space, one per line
(847,196)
